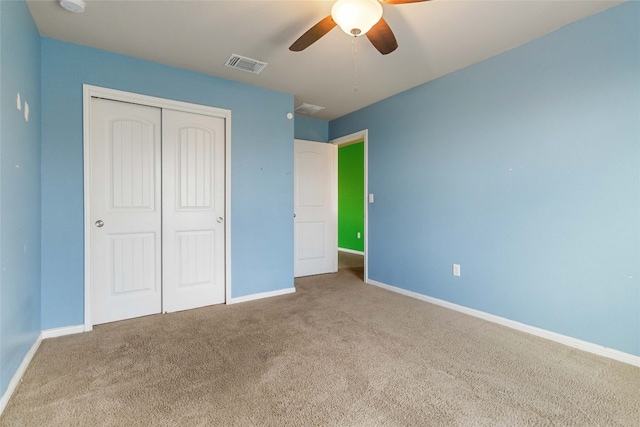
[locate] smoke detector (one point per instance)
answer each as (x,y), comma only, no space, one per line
(75,6)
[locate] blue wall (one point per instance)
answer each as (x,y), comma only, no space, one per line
(524,169)
(19,187)
(261,169)
(311,129)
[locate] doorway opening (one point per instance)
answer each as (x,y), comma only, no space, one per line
(352,160)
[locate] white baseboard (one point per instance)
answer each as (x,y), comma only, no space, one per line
(59,332)
(17,377)
(351,251)
(261,295)
(543,333)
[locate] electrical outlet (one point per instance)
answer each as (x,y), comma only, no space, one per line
(456,270)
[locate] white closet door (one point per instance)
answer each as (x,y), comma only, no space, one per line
(125,211)
(315,221)
(193,159)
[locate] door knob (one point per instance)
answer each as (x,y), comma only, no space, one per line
(99,223)
(219,219)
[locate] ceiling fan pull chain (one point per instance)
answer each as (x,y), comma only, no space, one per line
(354,45)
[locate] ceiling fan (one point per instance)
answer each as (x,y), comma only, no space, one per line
(356,18)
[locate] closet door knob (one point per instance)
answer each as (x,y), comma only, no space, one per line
(99,223)
(219,219)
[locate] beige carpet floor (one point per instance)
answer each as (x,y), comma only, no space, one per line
(350,260)
(335,353)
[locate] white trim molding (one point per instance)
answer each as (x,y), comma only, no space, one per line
(59,332)
(17,377)
(261,295)
(597,349)
(351,251)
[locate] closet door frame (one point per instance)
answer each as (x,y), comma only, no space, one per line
(90,91)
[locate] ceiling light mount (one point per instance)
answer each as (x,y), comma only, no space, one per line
(75,6)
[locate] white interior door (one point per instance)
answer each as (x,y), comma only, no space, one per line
(193,160)
(315,204)
(125,210)
(157,207)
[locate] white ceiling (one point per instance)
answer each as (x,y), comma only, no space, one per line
(435,38)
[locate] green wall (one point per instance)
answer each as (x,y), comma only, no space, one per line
(351,196)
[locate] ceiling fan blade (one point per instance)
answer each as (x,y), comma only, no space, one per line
(382,37)
(313,34)
(401,1)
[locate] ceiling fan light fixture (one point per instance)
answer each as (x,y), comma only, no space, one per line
(356,17)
